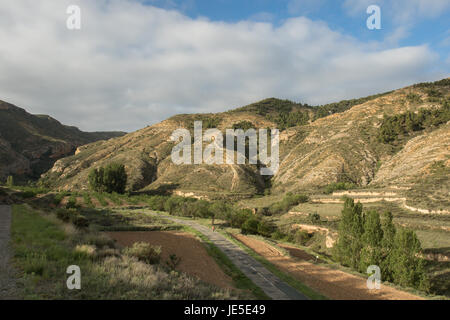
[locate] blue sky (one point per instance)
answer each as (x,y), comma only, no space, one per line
(135,62)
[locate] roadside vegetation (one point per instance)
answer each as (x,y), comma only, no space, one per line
(45,246)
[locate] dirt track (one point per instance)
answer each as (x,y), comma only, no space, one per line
(194,257)
(334,284)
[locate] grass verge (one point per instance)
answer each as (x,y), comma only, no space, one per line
(241,281)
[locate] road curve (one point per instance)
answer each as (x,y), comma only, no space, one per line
(273,286)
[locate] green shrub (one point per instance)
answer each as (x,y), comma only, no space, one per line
(336,186)
(10,181)
(72,203)
(28,194)
(265,228)
(250,226)
(79,221)
(314,217)
(301,237)
(112,178)
(63,214)
(290,200)
(278,235)
(144,252)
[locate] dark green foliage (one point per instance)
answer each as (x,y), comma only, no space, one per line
(372,237)
(239,217)
(266,228)
(63,215)
(112,178)
(290,200)
(286,120)
(335,186)
(301,237)
(336,107)
(406,268)
(58,197)
(404,124)
(10,181)
(413,97)
(250,226)
(79,221)
(244,125)
(365,239)
(72,202)
(351,228)
(173,261)
(314,217)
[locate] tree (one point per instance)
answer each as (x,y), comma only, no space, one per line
(372,237)
(349,243)
(10,181)
(386,244)
(115,178)
(250,226)
(112,178)
(406,266)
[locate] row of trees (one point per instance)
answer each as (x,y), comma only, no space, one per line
(366,239)
(111,178)
(406,123)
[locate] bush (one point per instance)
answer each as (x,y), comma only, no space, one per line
(339,186)
(112,178)
(314,217)
(239,217)
(250,226)
(63,214)
(301,237)
(290,200)
(72,203)
(265,228)
(10,181)
(57,199)
(79,221)
(28,194)
(144,252)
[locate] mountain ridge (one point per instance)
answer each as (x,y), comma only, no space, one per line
(30,144)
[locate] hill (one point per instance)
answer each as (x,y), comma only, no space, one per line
(30,144)
(394,139)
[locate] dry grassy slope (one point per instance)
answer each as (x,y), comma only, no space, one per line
(146,155)
(343,146)
(339,147)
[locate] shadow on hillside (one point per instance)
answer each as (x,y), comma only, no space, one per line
(162,190)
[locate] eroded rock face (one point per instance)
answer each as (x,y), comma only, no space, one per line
(30,144)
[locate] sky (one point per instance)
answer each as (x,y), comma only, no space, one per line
(134,63)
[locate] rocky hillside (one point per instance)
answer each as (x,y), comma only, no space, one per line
(30,144)
(318,146)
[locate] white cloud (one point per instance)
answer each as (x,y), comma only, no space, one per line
(132,65)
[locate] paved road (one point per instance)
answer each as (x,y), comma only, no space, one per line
(263,278)
(7,282)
